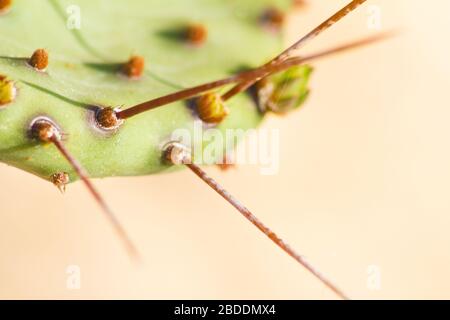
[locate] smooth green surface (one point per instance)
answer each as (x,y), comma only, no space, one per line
(82,72)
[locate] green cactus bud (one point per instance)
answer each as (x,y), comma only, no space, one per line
(7,91)
(285,91)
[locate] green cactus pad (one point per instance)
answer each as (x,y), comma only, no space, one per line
(83,72)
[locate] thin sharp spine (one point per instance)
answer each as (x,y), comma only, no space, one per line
(264,229)
(339,15)
(131,249)
(254,75)
(173,97)
(286,53)
(178,154)
(294,61)
(45,131)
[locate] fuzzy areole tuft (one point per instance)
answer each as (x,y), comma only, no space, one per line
(39,60)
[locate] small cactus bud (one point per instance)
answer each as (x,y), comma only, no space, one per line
(7,91)
(211,108)
(44,130)
(5,6)
(134,68)
(107,119)
(60,180)
(196,34)
(284,92)
(264,89)
(39,60)
(273,18)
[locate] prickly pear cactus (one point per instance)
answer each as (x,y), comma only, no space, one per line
(175,44)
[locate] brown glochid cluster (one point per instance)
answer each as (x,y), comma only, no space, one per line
(134,68)
(211,108)
(107,118)
(39,60)
(60,180)
(44,131)
(5,6)
(273,18)
(196,34)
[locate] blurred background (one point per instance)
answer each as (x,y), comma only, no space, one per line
(362,190)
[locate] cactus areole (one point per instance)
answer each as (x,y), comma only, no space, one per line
(91,47)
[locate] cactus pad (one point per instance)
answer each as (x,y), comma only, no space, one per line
(88,42)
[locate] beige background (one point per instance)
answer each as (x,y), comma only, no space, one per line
(364,180)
